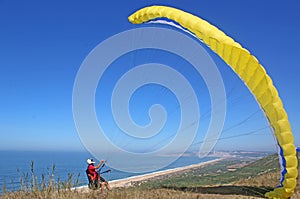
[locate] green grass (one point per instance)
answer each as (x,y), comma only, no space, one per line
(252,179)
(218,173)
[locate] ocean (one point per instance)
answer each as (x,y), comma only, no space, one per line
(17,164)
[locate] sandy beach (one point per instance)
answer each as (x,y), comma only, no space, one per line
(130,181)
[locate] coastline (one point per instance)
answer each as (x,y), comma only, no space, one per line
(131,181)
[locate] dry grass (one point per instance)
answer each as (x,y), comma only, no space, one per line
(165,194)
(124,193)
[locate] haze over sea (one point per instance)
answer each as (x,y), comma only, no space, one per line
(15,164)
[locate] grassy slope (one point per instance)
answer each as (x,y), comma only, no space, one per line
(218,173)
(215,181)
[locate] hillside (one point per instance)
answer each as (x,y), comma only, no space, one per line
(229,178)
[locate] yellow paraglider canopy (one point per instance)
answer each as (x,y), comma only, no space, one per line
(251,72)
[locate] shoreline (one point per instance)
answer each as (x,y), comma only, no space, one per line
(130,181)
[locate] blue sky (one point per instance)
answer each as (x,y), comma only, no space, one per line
(43,44)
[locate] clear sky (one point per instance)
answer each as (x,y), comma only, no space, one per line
(43,44)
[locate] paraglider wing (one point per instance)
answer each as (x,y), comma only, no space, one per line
(251,72)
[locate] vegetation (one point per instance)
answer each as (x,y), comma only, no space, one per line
(231,178)
(31,186)
(224,172)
